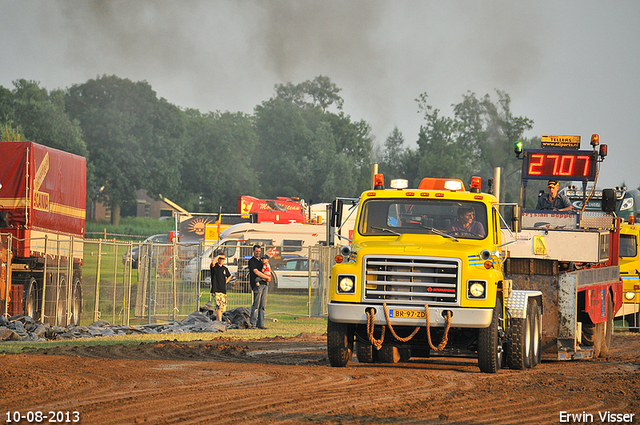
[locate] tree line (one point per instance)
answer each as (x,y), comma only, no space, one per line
(299,143)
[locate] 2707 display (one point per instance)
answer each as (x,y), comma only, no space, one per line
(559,164)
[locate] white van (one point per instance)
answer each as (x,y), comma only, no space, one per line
(277,240)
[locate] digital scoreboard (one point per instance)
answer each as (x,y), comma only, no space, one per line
(559,164)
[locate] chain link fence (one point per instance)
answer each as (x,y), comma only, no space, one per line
(135,283)
(147,283)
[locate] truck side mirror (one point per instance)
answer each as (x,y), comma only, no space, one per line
(336,214)
(608,200)
(516,218)
(4,219)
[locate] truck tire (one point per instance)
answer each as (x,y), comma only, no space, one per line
(605,330)
(365,352)
(490,343)
(536,333)
(76,302)
(31,303)
(588,334)
(60,306)
(389,354)
(339,343)
(520,349)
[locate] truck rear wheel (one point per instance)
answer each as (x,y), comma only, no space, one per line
(60,307)
(365,352)
(339,343)
(604,333)
(520,349)
(389,354)
(31,304)
(76,302)
(588,334)
(536,333)
(490,343)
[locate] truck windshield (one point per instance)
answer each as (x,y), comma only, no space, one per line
(628,246)
(462,219)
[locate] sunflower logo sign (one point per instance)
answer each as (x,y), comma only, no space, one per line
(194,228)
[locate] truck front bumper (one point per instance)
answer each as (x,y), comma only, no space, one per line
(461,317)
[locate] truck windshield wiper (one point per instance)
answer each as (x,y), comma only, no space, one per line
(384,229)
(439,232)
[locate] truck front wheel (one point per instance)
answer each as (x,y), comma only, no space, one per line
(490,343)
(339,343)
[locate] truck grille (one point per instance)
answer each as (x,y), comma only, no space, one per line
(416,280)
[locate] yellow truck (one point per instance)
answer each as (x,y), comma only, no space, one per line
(424,268)
(437,270)
(630,274)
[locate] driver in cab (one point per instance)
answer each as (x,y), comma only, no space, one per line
(553,200)
(466,225)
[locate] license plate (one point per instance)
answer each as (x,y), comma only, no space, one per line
(407,314)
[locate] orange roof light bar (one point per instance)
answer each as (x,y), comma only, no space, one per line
(432,183)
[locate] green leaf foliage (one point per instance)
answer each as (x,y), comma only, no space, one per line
(134,138)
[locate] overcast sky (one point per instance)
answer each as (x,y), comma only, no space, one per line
(571,66)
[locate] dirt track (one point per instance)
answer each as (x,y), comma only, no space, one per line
(289,380)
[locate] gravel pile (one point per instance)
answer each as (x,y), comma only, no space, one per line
(24,328)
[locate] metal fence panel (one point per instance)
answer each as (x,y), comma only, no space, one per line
(135,283)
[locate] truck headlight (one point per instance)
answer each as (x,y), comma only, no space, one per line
(630,295)
(626,204)
(346,283)
(476,289)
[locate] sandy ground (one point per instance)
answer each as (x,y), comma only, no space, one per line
(289,380)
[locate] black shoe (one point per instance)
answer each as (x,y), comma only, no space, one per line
(261,327)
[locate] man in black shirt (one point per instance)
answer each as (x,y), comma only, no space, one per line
(260,286)
(553,200)
(220,276)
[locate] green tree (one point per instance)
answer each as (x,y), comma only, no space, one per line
(10,134)
(491,130)
(479,137)
(306,151)
(396,160)
(440,152)
(134,139)
(216,168)
(319,92)
(43,119)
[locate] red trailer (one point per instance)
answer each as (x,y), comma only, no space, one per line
(42,226)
